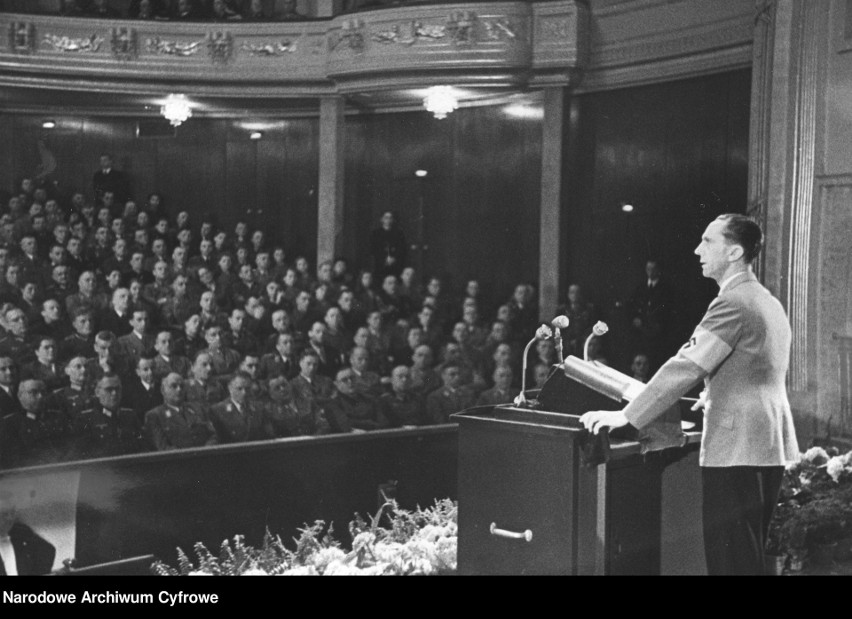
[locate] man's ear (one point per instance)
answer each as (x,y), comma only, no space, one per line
(735,252)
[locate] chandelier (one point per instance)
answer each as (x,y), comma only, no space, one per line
(440,100)
(176,109)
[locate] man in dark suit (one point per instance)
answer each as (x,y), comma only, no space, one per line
(22,551)
(741,349)
(142,391)
(109,179)
(8,394)
(651,307)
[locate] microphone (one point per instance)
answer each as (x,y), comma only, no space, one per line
(559,323)
(598,330)
(542,333)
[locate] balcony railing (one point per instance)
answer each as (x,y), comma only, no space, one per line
(493,43)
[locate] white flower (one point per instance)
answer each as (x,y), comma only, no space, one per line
(389,552)
(816,455)
(339,568)
(446,553)
(254,571)
(835,468)
(323,557)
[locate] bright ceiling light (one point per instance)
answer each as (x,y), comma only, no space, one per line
(255,135)
(627,208)
(527,112)
(421,173)
(440,100)
(176,109)
(48,124)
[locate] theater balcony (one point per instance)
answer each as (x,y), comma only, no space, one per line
(501,44)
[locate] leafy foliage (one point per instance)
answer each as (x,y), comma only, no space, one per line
(393,541)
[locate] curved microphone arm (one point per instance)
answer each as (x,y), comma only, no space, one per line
(542,333)
(598,330)
(522,399)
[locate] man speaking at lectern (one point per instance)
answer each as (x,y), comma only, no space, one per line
(741,349)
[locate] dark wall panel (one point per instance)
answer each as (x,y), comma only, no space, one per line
(678,153)
(210,166)
(480,200)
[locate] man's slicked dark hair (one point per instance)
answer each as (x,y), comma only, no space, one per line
(745,232)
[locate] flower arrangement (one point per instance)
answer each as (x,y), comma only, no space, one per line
(419,542)
(815,505)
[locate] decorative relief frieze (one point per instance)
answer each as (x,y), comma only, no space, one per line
(351,35)
(270,49)
(461,26)
(408,33)
(22,37)
(498,29)
(123,43)
(173,48)
(554,28)
(220,45)
(91,44)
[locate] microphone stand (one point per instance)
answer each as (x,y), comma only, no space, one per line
(522,399)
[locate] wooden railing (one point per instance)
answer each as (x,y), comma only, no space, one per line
(151,503)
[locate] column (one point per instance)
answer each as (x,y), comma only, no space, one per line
(331,159)
(550,244)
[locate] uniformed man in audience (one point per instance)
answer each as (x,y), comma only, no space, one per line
(176,424)
(36,434)
(16,343)
(402,407)
(8,390)
(223,360)
(165,362)
(350,411)
(282,362)
(451,398)
(44,368)
(81,343)
(202,388)
(365,382)
(108,429)
(310,389)
(76,396)
(501,392)
(238,419)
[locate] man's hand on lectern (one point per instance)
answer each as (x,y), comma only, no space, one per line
(595,420)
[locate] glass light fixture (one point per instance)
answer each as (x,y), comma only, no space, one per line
(176,109)
(440,100)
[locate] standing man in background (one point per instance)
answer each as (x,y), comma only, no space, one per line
(741,349)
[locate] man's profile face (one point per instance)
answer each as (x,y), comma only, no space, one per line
(7,371)
(201,369)
(308,365)
(714,250)
(451,377)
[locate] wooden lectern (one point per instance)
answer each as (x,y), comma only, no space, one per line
(539,495)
